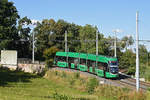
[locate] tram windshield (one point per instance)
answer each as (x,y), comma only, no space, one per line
(114,70)
(113,63)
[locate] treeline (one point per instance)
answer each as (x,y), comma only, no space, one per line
(16,34)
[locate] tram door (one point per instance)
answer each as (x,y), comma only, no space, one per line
(70,62)
(76,62)
(90,64)
(93,66)
(105,65)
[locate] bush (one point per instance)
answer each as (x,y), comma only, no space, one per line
(56,73)
(49,55)
(77,75)
(91,85)
(63,74)
(58,96)
(72,82)
(43,72)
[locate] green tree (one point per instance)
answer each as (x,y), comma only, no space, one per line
(127,61)
(8,29)
(126,41)
(23,45)
(72,36)
(49,55)
(49,33)
(42,35)
(86,33)
(143,57)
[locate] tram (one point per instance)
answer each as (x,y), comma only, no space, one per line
(102,66)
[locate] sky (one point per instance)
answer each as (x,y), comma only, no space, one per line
(107,15)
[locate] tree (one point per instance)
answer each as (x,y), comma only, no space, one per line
(143,53)
(45,33)
(8,30)
(126,41)
(50,33)
(23,45)
(86,33)
(127,61)
(49,55)
(72,36)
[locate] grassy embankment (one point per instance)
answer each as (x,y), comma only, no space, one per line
(59,85)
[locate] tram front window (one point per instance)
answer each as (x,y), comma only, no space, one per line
(113,63)
(114,70)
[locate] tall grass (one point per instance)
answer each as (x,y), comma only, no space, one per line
(91,86)
(60,85)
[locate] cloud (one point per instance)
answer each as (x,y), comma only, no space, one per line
(117,30)
(34,22)
(129,35)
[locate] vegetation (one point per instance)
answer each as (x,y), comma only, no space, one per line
(14,31)
(60,85)
(49,55)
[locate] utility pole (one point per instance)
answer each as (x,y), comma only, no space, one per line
(66,41)
(137,53)
(115,55)
(96,46)
(33,48)
(147,58)
(97,43)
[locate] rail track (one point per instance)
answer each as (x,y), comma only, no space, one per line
(132,82)
(123,80)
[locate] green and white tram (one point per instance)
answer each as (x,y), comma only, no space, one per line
(100,65)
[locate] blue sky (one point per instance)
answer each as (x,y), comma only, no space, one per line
(106,14)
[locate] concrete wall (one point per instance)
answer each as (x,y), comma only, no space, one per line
(31,68)
(8,57)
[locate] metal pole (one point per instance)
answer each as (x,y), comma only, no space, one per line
(33,48)
(65,41)
(115,45)
(147,59)
(96,47)
(97,43)
(137,54)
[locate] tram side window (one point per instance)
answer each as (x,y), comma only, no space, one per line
(70,60)
(76,61)
(105,66)
(61,58)
(91,63)
(56,58)
(88,62)
(100,65)
(83,61)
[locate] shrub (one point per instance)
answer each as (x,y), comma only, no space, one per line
(148,89)
(56,73)
(91,85)
(72,82)
(58,96)
(63,75)
(49,55)
(77,75)
(43,72)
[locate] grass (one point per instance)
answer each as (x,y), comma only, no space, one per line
(59,85)
(24,86)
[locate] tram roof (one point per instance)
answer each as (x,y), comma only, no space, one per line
(88,56)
